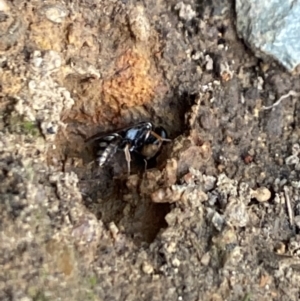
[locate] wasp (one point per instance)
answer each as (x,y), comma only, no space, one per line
(143,138)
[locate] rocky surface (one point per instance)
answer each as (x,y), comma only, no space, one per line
(271,29)
(214,217)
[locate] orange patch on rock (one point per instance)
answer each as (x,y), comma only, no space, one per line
(131,85)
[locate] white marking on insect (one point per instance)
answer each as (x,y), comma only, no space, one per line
(111,137)
(103,144)
(105,154)
(109,151)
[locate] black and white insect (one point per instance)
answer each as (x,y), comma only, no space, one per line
(143,138)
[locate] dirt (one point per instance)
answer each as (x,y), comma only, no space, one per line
(215,216)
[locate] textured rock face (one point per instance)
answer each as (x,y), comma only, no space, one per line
(215,216)
(271,29)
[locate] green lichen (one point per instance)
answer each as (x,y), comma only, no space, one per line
(92,281)
(30,128)
(17,124)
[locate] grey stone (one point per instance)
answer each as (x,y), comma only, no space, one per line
(271,28)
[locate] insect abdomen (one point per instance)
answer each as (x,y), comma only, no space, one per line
(108,149)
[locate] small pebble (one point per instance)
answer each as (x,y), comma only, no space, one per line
(176,262)
(236,212)
(4,6)
(218,221)
(279,248)
(113,230)
(147,268)
(292,160)
(139,24)
(262,194)
(233,257)
(185,11)
(55,13)
(205,259)
(171,248)
(209,63)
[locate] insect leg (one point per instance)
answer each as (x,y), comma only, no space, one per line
(145,161)
(159,137)
(127,156)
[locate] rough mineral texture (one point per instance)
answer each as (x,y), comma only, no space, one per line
(214,216)
(271,28)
